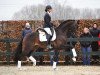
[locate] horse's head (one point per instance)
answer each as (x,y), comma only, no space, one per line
(68,26)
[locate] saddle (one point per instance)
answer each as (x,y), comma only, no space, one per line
(43,34)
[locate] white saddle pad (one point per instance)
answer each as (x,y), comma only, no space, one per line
(42,35)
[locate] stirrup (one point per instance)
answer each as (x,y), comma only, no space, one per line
(49,47)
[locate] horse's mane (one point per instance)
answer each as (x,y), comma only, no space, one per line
(64,24)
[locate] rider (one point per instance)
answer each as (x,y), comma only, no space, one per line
(48,25)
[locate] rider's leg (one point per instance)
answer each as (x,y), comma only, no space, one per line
(48,41)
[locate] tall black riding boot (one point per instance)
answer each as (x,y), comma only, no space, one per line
(48,42)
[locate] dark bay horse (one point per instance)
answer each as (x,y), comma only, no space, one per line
(31,42)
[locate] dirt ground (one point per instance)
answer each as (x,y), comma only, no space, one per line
(47,70)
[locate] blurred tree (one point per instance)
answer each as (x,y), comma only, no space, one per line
(60,11)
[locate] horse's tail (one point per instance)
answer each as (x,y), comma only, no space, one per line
(18,52)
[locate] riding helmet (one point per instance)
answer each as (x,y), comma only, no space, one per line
(47,8)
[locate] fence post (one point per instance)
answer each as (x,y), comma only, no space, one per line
(8,50)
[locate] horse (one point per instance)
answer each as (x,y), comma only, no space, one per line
(31,42)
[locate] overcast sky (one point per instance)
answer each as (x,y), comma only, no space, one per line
(9,7)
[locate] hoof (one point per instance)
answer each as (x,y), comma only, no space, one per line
(34,64)
(74,59)
(20,69)
(55,69)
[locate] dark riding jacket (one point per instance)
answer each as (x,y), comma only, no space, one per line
(47,21)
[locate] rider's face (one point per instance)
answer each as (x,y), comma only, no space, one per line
(50,10)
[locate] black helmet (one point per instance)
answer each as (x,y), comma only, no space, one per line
(48,7)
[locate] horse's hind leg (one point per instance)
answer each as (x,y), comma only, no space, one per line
(19,65)
(19,62)
(32,58)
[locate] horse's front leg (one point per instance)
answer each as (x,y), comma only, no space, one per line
(74,54)
(55,59)
(31,57)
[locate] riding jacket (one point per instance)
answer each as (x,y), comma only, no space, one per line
(47,20)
